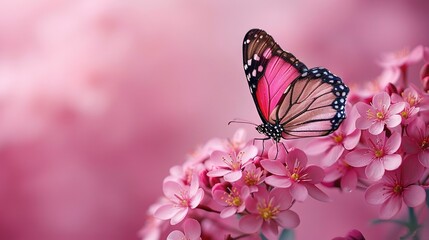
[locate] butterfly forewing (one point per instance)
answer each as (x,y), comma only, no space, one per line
(269,70)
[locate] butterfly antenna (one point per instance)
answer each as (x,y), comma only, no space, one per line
(242,121)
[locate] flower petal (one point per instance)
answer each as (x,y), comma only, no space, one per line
(352,140)
(296,156)
(250,223)
(358,158)
(274,167)
(166,211)
(176,235)
(278,181)
(315,174)
(414,195)
(316,193)
(247,153)
(391,207)
(281,197)
(220,159)
(218,172)
(233,176)
(181,214)
(393,143)
(171,188)
(288,219)
(196,199)
(381,100)
(375,170)
(423,157)
(393,121)
(392,162)
(375,194)
(299,192)
(397,108)
(228,212)
(376,128)
(349,181)
(332,155)
(192,229)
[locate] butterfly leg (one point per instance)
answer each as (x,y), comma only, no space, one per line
(263,143)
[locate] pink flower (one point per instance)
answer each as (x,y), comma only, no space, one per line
(373,117)
(231,197)
(397,186)
(405,57)
(230,166)
(377,154)
(252,177)
(295,174)
(352,235)
(192,231)
(329,149)
(417,141)
(268,211)
(181,199)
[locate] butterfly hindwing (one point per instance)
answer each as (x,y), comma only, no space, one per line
(269,70)
(314,105)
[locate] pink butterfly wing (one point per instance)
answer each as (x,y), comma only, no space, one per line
(269,70)
(314,105)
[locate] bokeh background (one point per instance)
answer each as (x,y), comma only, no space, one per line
(98,99)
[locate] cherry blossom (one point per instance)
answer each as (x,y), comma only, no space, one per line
(192,231)
(231,197)
(181,199)
(268,211)
(230,165)
(417,141)
(378,154)
(380,113)
(395,187)
(294,174)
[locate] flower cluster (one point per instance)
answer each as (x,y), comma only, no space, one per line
(234,188)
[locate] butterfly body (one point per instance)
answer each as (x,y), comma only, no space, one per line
(292,100)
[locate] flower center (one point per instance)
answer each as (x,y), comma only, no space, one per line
(404,114)
(294,176)
(267,211)
(397,189)
(379,153)
(380,115)
(233,198)
(183,200)
(338,138)
(251,178)
(425,143)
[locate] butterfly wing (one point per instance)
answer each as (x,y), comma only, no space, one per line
(269,71)
(313,105)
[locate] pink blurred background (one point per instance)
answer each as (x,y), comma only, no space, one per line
(98,99)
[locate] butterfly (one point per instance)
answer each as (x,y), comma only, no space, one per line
(292,100)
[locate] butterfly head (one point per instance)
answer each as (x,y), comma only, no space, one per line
(273,131)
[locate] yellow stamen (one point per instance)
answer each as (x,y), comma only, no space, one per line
(379,153)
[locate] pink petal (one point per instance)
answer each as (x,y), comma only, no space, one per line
(228,212)
(375,170)
(392,162)
(192,229)
(332,155)
(319,145)
(195,184)
(393,143)
(252,205)
(299,192)
(315,174)
(414,195)
(358,158)
(220,158)
(171,188)
(270,229)
(278,181)
(233,176)
(411,172)
(391,207)
(349,181)
(410,145)
(196,199)
(423,157)
(274,167)
(363,123)
(250,223)
(281,197)
(218,172)
(332,173)
(176,235)
(248,153)
(316,193)
(296,155)
(381,100)
(416,129)
(375,194)
(376,128)
(397,108)
(393,121)
(288,219)
(181,214)
(352,140)
(362,108)
(166,212)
